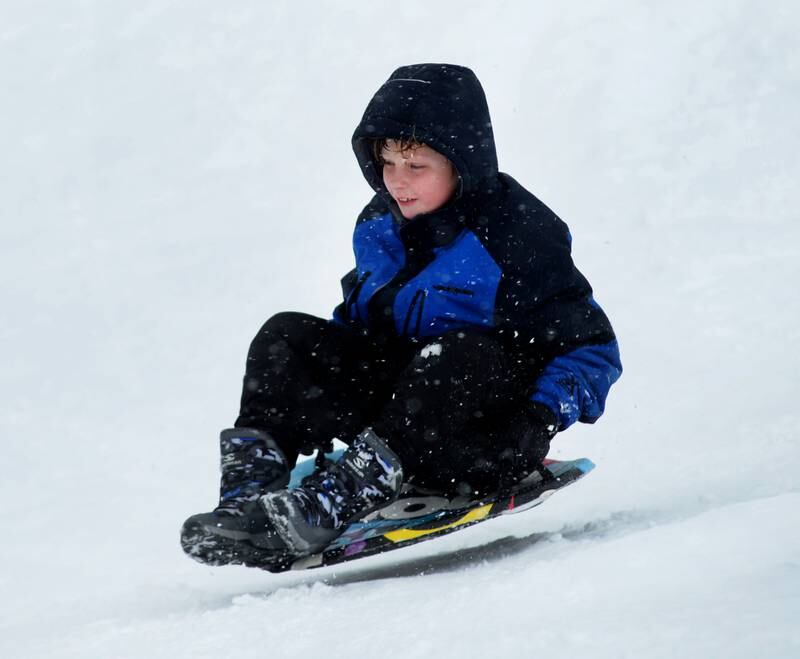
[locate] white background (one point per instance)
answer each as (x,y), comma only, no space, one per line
(175,172)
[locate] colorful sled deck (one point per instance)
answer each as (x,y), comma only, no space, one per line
(420,515)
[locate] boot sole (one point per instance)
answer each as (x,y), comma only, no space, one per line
(204,542)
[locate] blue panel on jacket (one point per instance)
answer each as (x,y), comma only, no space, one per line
(379,255)
(456,290)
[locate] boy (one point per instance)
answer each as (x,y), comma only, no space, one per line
(466,339)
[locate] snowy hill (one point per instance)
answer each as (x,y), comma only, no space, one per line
(174,173)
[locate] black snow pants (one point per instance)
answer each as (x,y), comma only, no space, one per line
(442,405)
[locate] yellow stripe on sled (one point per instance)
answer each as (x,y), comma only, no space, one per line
(473,515)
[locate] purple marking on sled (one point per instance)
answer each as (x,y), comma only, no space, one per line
(355,548)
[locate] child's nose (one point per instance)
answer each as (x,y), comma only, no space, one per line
(399,178)
(395,180)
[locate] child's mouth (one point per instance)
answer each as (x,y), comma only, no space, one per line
(405,201)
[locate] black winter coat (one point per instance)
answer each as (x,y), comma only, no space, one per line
(494,259)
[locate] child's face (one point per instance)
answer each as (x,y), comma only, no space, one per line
(419,180)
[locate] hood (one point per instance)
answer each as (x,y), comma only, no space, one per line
(442,105)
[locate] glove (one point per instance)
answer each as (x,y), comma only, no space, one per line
(527,440)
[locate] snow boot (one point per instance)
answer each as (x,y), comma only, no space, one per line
(281,526)
(367,477)
(252,464)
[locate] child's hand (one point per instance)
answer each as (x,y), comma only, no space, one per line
(527,437)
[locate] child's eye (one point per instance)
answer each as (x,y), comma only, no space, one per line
(416,166)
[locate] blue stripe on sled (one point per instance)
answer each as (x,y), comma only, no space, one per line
(307,466)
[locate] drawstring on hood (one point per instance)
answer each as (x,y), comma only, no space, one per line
(441,105)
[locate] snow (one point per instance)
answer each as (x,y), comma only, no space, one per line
(431,350)
(174,173)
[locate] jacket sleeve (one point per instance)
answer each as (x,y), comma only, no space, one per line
(575,385)
(547,305)
(344,313)
(341,314)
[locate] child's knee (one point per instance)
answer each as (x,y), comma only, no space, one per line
(287,323)
(282,331)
